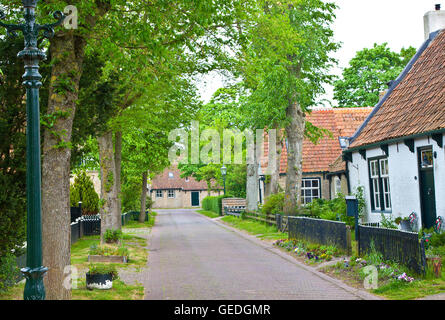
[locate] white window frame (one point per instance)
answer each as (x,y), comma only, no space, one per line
(384,175)
(380,183)
(171,194)
(159,194)
(304,198)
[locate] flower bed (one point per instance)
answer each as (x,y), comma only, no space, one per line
(311,253)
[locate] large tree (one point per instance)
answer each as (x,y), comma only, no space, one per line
(284,66)
(368,74)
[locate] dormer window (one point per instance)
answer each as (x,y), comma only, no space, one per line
(187,179)
(170,175)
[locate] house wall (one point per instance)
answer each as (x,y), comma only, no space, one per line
(343,182)
(324,181)
(183,199)
(403,178)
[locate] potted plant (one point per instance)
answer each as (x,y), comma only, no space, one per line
(101,276)
(404,223)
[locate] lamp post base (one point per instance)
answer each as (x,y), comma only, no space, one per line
(34,288)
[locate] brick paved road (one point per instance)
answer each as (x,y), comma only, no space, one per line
(192,257)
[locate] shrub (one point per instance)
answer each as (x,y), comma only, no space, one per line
(437,239)
(83,190)
(213,203)
(274,204)
(334,210)
(112,235)
(9,271)
(104,269)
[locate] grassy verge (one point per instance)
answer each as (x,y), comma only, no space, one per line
(257,228)
(209,214)
(388,284)
(120,291)
(13,293)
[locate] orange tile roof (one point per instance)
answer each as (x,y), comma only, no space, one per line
(163,181)
(341,122)
(416,102)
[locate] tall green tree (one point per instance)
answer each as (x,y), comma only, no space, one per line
(368,75)
(285,65)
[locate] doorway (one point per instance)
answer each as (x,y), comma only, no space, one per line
(426,186)
(195,198)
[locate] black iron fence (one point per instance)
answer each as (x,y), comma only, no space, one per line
(76,212)
(400,246)
(324,232)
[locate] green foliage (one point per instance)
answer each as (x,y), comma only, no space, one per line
(109,250)
(388,222)
(334,210)
(273,204)
(368,74)
(104,269)
(12,145)
(437,239)
(9,272)
(112,236)
(83,190)
(213,203)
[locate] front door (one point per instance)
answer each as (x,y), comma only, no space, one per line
(195,198)
(427,191)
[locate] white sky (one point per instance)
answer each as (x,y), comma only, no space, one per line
(360,24)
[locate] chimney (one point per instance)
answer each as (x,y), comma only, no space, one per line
(434,20)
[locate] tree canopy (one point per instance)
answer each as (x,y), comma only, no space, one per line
(368,74)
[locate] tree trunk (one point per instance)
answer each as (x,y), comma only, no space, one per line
(67,53)
(118,164)
(295,136)
(275,174)
(143,198)
(108,195)
(56,231)
(252,184)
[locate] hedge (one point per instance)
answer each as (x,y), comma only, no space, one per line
(213,203)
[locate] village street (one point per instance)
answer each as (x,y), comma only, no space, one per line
(192,257)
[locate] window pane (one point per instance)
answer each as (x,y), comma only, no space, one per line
(315,183)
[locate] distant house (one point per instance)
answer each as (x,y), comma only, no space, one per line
(397,155)
(169,190)
(324,171)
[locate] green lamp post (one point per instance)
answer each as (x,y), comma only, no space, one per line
(34,272)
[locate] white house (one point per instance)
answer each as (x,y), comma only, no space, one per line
(397,155)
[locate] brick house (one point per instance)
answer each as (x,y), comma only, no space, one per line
(324,171)
(169,190)
(397,155)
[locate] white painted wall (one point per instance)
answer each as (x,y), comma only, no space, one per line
(403,178)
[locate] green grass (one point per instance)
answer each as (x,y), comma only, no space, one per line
(13,293)
(257,228)
(120,291)
(209,214)
(135,244)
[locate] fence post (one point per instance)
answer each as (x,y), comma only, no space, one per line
(348,241)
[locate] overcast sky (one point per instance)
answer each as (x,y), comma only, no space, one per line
(360,24)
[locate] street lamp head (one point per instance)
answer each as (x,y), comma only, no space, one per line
(223,170)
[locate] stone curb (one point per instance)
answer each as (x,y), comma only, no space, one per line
(359,293)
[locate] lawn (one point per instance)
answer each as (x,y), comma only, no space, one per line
(209,214)
(257,228)
(120,291)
